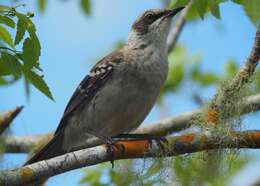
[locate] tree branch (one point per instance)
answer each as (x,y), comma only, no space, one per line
(7,118)
(242,77)
(177,28)
(23,144)
(174,124)
(188,143)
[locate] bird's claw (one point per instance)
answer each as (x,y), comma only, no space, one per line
(112,146)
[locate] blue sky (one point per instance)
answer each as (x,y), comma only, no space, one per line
(72,43)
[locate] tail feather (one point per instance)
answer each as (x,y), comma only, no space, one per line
(51,149)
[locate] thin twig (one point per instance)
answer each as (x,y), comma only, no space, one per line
(22,144)
(177,28)
(241,78)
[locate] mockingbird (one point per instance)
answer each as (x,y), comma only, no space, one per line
(119,91)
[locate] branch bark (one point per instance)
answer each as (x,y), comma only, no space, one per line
(188,143)
(7,118)
(242,77)
(23,144)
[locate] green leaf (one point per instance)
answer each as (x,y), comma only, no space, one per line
(37,45)
(154,169)
(27,87)
(193,13)
(175,76)
(7,81)
(231,69)
(203,78)
(7,21)
(10,65)
(38,82)
(30,27)
(201,6)
(178,3)
(4,8)
(42,5)
(180,167)
(92,177)
(215,11)
(252,9)
(85,6)
(31,46)
(257,80)
(6,37)
(3,81)
(20,31)
(238,1)
(4,70)
(31,52)
(119,44)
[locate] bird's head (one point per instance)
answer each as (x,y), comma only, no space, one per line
(152,26)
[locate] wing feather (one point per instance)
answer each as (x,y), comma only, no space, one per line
(90,85)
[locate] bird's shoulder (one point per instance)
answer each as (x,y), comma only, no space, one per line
(115,57)
(90,85)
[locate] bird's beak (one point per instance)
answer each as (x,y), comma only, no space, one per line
(172,12)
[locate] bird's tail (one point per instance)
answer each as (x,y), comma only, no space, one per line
(51,149)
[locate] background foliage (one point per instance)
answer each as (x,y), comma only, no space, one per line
(25,63)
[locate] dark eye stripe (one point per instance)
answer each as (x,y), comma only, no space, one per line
(145,21)
(151,16)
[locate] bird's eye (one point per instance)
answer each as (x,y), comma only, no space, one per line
(149,16)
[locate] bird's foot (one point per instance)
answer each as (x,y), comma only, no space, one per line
(112,147)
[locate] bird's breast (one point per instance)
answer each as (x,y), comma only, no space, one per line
(150,69)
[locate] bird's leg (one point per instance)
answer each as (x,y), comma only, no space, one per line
(111,145)
(160,140)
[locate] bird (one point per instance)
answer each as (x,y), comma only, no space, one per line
(119,91)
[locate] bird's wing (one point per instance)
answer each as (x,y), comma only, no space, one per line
(87,89)
(89,86)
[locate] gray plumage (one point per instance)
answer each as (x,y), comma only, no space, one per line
(119,91)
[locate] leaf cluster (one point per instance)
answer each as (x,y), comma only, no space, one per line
(195,170)
(127,172)
(200,8)
(184,170)
(185,67)
(15,64)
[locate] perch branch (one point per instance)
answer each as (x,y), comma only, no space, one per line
(23,144)
(189,143)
